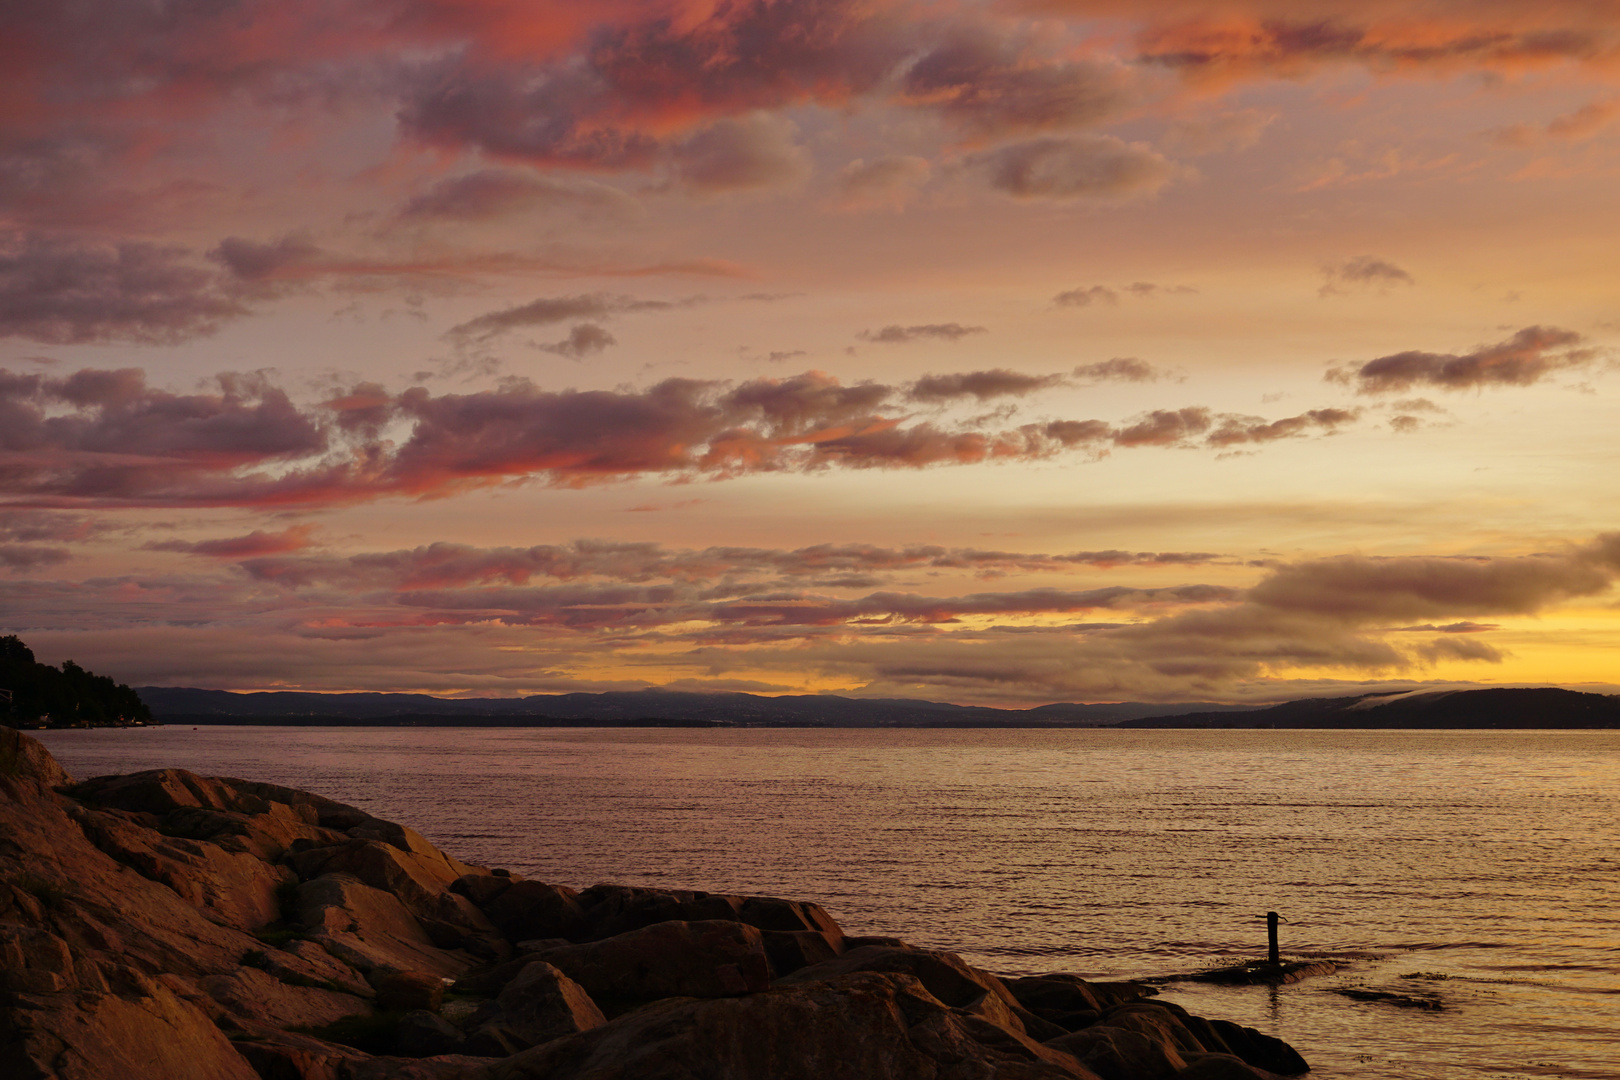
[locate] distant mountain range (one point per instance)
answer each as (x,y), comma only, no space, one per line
(1542,707)
(1494,708)
(176,705)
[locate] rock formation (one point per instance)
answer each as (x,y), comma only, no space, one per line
(166,926)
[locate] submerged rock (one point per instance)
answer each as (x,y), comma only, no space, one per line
(168,926)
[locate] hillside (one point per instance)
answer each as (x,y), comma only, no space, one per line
(1534,708)
(185,705)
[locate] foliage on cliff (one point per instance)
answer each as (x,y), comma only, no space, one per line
(68,695)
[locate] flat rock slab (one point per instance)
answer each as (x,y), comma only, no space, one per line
(1389,997)
(1265,973)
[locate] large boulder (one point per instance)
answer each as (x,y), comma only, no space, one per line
(1156,1040)
(234,888)
(866,1025)
(529,910)
(539,1005)
(371,929)
(26,767)
(945,975)
(140,1030)
(712,958)
(1116,1053)
(257,997)
(1222,1067)
(420,882)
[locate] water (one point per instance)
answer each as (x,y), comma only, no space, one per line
(1489,858)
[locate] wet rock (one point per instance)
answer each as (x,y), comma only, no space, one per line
(1390,997)
(1263,972)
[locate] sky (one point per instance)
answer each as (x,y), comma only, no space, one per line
(995,353)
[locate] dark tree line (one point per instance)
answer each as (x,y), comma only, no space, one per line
(69,695)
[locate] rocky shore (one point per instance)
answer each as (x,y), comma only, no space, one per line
(167,926)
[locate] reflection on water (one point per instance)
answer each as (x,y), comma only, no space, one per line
(1483,863)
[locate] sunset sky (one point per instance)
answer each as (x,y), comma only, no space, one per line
(994,353)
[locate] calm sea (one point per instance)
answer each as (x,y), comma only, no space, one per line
(1478,869)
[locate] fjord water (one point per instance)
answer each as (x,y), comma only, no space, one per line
(1477,869)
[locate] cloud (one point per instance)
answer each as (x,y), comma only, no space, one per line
(105,438)
(1574,126)
(1532,354)
(1239,430)
(1364,591)
(31,556)
(31,526)
(1120,369)
(69,292)
(981,385)
(632,92)
(1000,382)
(489,194)
(900,335)
(1165,427)
(996,84)
(1264,39)
(1145,290)
(551,309)
(446,565)
(1362,272)
(256,543)
(253,261)
(1449,628)
(1586,121)
(1084,297)
(745,154)
(1218,134)
(100,434)
(559,617)
(1076,167)
(886,182)
(586,339)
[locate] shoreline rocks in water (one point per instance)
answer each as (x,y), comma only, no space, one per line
(167,926)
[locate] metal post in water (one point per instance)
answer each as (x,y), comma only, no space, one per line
(1271,934)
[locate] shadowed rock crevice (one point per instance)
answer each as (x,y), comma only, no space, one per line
(167,926)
